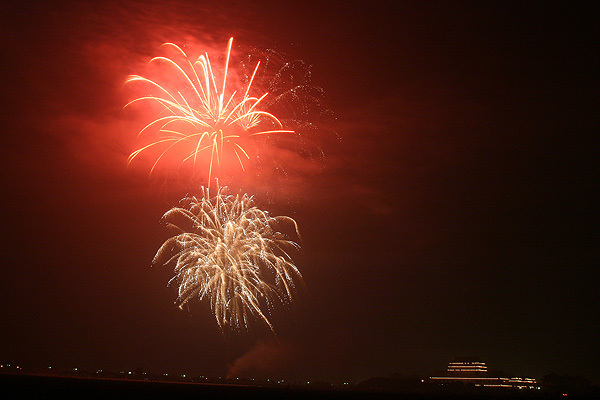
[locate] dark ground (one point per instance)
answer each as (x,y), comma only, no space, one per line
(40,387)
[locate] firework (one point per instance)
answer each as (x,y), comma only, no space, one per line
(229,253)
(201,115)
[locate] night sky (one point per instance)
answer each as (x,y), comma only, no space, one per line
(452,213)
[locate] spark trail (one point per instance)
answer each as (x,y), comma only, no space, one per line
(229,253)
(201,115)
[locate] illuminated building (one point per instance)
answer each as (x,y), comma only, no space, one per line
(470,366)
(472,371)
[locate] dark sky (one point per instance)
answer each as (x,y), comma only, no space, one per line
(451,215)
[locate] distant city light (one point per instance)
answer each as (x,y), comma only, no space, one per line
(475,371)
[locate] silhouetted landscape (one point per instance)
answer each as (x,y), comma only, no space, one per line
(83,384)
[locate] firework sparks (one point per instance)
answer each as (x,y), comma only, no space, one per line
(229,253)
(200,115)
